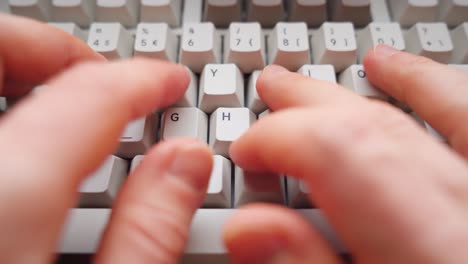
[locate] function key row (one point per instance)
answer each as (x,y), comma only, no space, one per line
(290,44)
(223,12)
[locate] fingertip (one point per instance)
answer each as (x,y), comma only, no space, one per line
(193,164)
(268,76)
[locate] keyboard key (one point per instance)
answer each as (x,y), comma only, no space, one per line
(244,46)
(80,12)
(221,85)
(184,122)
(460,41)
(136,161)
(71,29)
(227,125)
(190,97)
(218,194)
(264,114)
(319,72)
(335,43)
(410,12)
(380,33)
(155,40)
(298,193)
(434,132)
(200,46)
(463,67)
(431,40)
(254,187)
(357,11)
(123,11)
(84,227)
(312,12)
(355,79)
(289,45)
(254,103)
(36,9)
(454,12)
(111,40)
(267,12)
(168,11)
(138,137)
(100,188)
(222,12)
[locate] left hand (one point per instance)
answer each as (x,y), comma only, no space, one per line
(51,140)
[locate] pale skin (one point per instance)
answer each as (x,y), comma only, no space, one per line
(393,193)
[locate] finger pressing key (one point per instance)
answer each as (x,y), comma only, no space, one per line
(438,93)
(153,212)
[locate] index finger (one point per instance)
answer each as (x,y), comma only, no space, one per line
(31,52)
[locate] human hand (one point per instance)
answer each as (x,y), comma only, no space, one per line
(392,193)
(52,139)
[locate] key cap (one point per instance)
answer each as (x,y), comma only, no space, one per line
(356,11)
(255,187)
(244,46)
(80,12)
(431,40)
(200,46)
(355,78)
(218,194)
(168,11)
(410,12)
(222,12)
(71,28)
(101,187)
(289,45)
(254,103)
(123,11)
(84,227)
(155,40)
(3,105)
(434,132)
(380,33)
(185,122)
(298,193)
(190,97)
(111,40)
(36,9)
(136,161)
(460,42)
(319,72)
(463,67)
(227,125)
(221,85)
(312,12)
(335,43)
(138,137)
(453,12)
(267,12)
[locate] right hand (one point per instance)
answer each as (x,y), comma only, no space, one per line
(392,192)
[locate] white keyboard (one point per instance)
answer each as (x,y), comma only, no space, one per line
(225,44)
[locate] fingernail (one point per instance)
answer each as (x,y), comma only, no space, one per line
(384,50)
(192,164)
(273,71)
